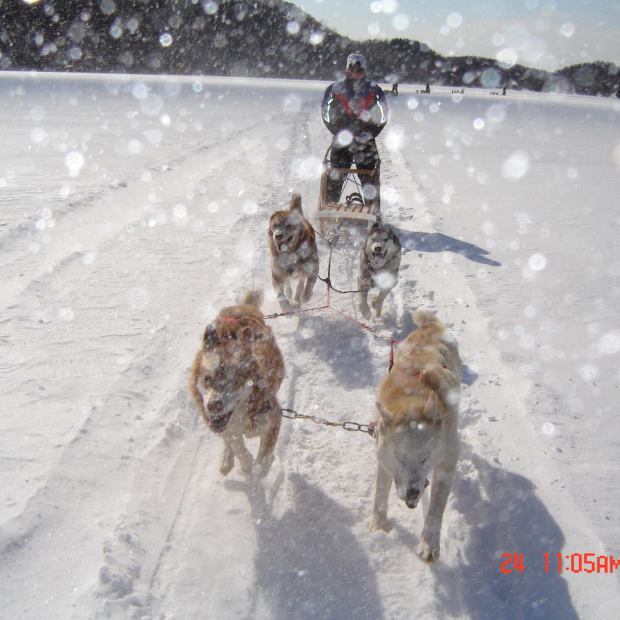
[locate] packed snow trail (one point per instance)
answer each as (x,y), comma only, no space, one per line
(114,506)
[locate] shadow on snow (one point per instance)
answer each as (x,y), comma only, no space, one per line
(505,517)
(438,242)
(341,344)
(309,565)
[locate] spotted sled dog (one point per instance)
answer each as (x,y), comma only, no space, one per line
(234,382)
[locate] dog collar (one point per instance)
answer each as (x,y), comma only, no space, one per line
(372,429)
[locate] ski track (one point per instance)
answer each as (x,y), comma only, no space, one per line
(181,539)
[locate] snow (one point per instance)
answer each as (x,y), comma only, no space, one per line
(135,207)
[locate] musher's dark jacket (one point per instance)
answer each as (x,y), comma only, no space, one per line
(363,111)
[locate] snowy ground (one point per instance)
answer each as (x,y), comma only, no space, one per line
(134,208)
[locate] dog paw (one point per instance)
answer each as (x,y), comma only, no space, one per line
(377,307)
(428,552)
(378,523)
(227,463)
(261,468)
(365,310)
(285,304)
(226,469)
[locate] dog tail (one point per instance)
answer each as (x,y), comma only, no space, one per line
(295,202)
(253,298)
(424,318)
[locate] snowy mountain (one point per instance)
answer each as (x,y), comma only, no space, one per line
(269,38)
(134,208)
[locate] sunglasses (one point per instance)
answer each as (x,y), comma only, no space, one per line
(356,67)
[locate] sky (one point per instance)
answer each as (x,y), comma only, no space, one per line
(544,34)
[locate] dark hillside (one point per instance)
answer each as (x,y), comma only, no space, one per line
(269,38)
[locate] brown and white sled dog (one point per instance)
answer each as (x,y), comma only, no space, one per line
(294,255)
(378,267)
(416,427)
(234,381)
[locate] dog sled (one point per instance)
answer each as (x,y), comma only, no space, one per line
(352,208)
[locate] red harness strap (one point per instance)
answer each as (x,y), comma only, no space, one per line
(364,103)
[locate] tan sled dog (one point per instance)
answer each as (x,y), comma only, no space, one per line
(234,381)
(294,255)
(417,427)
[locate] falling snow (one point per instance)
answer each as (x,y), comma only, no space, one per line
(134,208)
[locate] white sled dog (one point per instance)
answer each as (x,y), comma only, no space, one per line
(294,255)
(378,267)
(234,381)
(416,428)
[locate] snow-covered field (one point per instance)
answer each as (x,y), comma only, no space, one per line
(133,208)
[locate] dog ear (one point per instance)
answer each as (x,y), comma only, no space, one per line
(210,338)
(432,378)
(385,418)
(431,409)
(296,203)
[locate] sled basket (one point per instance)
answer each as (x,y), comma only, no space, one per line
(352,208)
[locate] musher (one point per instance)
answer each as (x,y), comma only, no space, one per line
(355,111)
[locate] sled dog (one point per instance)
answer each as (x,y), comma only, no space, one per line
(378,267)
(294,255)
(234,381)
(416,427)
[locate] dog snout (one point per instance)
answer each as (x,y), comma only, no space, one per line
(411,497)
(215,406)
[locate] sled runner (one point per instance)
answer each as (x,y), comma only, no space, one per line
(352,207)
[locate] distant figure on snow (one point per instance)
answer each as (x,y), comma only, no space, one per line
(355,111)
